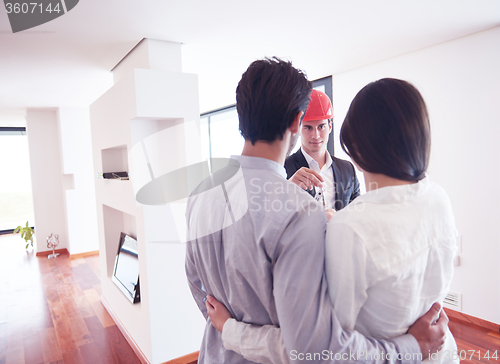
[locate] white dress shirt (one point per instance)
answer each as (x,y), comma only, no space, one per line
(327,173)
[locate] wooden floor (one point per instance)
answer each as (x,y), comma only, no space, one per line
(475,343)
(50,312)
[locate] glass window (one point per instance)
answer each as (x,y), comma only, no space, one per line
(220,134)
(225,137)
(16,202)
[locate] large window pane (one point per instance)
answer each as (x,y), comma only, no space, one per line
(16,202)
(225,137)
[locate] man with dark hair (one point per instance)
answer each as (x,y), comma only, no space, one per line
(331,181)
(256,241)
(265,121)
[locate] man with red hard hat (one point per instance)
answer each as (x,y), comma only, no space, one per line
(329,180)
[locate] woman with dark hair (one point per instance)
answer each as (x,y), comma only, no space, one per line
(386,131)
(389,254)
(400,235)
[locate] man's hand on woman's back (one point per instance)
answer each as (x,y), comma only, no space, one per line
(430,330)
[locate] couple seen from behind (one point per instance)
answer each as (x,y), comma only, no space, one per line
(288,279)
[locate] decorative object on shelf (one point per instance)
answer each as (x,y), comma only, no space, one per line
(52,242)
(114,175)
(27,234)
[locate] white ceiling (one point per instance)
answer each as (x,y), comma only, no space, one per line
(66,62)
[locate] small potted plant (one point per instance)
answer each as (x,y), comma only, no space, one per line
(27,234)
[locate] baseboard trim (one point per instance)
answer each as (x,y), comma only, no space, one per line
(140,355)
(48,252)
(186,359)
(471,319)
(84,255)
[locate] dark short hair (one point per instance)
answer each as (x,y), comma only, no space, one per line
(386,130)
(269,96)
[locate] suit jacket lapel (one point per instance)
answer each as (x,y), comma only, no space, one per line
(300,161)
(336,178)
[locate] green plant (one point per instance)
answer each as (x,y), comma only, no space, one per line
(27,233)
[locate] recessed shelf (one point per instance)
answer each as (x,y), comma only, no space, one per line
(115,222)
(114,159)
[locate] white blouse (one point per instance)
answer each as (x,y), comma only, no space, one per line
(389,257)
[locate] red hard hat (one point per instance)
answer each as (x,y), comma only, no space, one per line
(320,107)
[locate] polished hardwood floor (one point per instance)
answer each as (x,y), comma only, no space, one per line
(475,344)
(50,312)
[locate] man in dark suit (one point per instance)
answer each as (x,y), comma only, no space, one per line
(329,180)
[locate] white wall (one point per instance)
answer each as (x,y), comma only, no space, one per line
(46,179)
(116,210)
(77,164)
(460,82)
(143,105)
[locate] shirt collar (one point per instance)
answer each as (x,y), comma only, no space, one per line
(260,163)
(312,162)
(394,194)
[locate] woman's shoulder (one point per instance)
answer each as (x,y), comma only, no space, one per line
(357,213)
(438,191)
(437,202)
